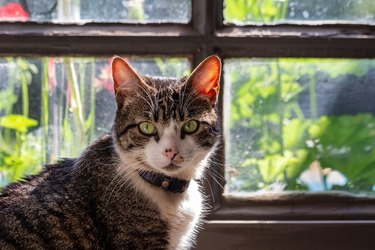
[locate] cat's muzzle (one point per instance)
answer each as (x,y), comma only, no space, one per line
(178,159)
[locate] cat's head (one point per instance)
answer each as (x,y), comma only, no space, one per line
(166,125)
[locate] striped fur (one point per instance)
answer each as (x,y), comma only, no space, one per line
(67,207)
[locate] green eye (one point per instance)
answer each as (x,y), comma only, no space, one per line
(190,127)
(147,128)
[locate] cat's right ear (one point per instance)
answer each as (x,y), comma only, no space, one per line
(205,79)
(124,77)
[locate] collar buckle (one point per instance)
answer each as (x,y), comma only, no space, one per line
(165,182)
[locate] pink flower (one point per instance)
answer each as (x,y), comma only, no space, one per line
(51,74)
(104,81)
(13,12)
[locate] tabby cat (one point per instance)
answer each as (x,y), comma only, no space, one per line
(133,188)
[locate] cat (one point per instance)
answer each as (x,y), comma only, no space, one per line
(133,188)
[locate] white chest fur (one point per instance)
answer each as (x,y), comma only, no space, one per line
(183,218)
(182,212)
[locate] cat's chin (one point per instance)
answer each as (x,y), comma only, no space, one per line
(172,167)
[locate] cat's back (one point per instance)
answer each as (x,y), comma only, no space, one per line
(55,173)
(42,213)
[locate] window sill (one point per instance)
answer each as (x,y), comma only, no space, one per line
(295,206)
(287,235)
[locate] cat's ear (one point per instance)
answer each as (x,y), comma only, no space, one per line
(205,79)
(124,76)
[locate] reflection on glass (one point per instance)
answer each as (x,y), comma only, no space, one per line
(298,11)
(82,11)
(52,107)
(299,124)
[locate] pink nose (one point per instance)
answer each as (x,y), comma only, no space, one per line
(170,153)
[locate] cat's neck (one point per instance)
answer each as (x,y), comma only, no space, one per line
(165,182)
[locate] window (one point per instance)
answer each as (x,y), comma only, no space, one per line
(297,11)
(299,124)
(86,11)
(304,69)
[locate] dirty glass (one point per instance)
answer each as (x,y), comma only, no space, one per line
(303,124)
(84,11)
(243,12)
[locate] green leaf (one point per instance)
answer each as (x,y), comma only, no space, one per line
(294,133)
(17,122)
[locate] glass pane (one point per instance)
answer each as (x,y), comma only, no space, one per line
(299,11)
(53,107)
(83,11)
(300,124)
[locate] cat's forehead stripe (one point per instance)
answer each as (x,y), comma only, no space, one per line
(166,101)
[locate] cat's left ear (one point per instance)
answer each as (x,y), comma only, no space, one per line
(205,79)
(124,76)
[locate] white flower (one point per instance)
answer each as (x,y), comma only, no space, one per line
(314,179)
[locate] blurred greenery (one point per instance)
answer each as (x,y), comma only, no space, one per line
(276,11)
(18,150)
(255,10)
(273,140)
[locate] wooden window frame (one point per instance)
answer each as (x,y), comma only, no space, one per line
(332,220)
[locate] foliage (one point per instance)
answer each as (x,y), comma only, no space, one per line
(18,151)
(280,11)
(274,140)
(255,10)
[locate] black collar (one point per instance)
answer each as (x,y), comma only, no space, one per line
(165,182)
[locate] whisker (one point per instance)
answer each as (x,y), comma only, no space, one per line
(151,100)
(211,190)
(215,180)
(218,175)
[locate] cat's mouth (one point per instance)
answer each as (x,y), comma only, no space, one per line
(171,167)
